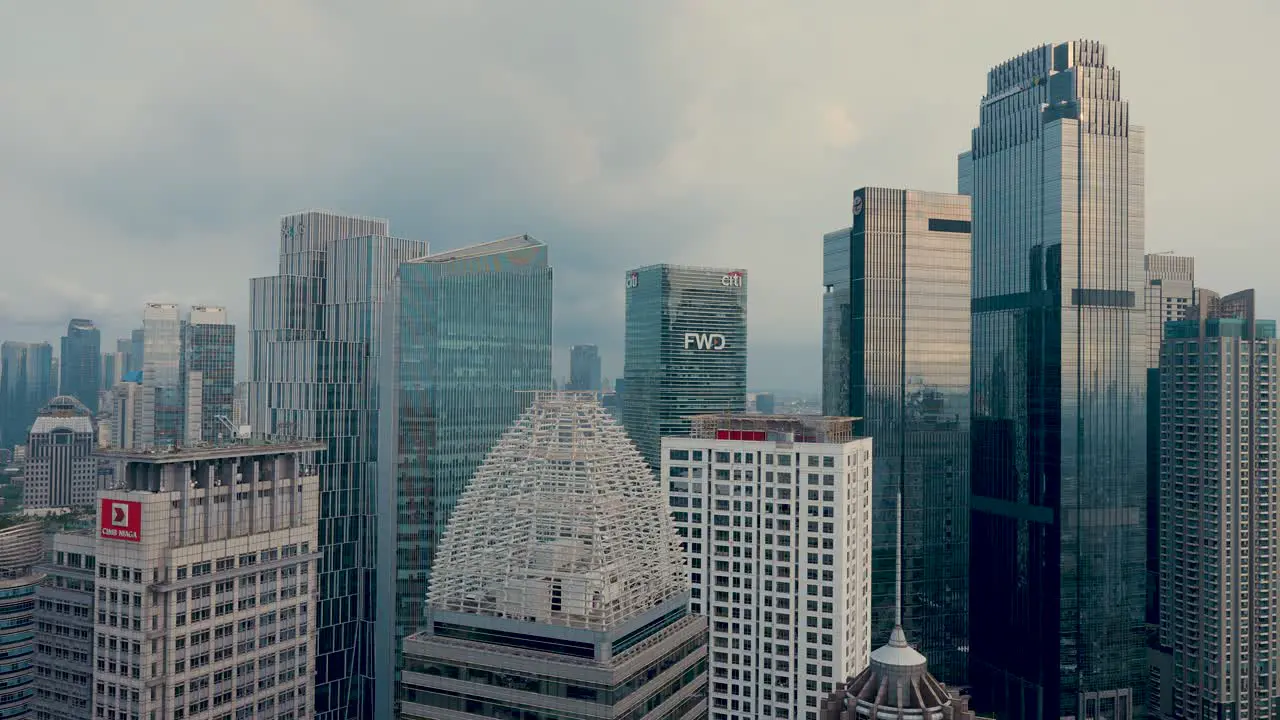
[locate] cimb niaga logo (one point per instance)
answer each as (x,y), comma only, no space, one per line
(732,279)
(704,341)
(633,280)
(121,520)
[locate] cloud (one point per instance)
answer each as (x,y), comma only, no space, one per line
(150,147)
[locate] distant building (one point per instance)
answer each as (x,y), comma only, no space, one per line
(208,369)
(584,368)
(778,505)
(80,363)
(131,402)
(765,403)
(207,560)
(686,350)
(1219,542)
(137,351)
(26,385)
(559,590)
(21,552)
(467,335)
(61,471)
(161,425)
(64,628)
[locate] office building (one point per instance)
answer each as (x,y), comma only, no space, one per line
(26,385)
(1219,611)
(686,350)
(774,515)
(137,349)
(467,335)
(208,369)
(113,368)
(559,590)
(80,364)
(130,403)
(584,368)
(64,628)
(765,403)
(206,581)
(896,356)
(61,471)
(164,421)
(314,364)
(21,552)
(1058,472)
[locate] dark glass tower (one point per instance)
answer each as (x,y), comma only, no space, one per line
(81,363)
(686,350)
(26,385)
(468,334)
(584,368)
(1058,524)
(313,363)
(209,348)
(896,355)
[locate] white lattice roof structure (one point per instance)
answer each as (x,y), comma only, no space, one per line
(563,524)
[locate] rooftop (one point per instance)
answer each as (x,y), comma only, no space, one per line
(784,428)
(162,456)
(493,247)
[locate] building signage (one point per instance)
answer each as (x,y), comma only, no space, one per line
(121,520)
(633,280)
(704,341)
(857,205)
(732,279)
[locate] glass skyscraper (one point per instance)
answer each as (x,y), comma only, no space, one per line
(162,422)
(896,355)
(1058,522)
(81,363)
(584,368)
(209,348)
(26,385)
(686,350)
(313,363)
(468,336)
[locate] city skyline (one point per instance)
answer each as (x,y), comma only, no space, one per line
(616,165)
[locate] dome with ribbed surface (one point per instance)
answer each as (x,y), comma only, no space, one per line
(563,524)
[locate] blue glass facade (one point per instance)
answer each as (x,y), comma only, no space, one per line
(896,355)
(1058,469)
(313,362)
(686,350)
(80,363)
(584,368)
(210,349)
(26,385)
(468,334)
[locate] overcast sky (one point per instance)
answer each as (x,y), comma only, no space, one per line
(147,149)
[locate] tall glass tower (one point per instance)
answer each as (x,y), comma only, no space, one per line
(896,355)
(1058,523)
(81,362)
(468,333)
(162,422)
(686,350)
(584,368)
(26,384)
(313,363)
(209,348)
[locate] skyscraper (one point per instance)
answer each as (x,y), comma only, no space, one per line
(313,374)
(466,333)
(137,349)
(1058,505)
(686,350)
(1170,293)
(61,471)
(26,385)
(81,362)
(162,425)
(21,550)
(64,639)
(559,590)
(774,517)
(1220,611)
(209,349)
(584,368)
(896,355)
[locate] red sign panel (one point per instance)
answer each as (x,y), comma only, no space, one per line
(120,520)
(750,435)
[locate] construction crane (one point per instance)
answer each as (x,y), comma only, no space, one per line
(235,433)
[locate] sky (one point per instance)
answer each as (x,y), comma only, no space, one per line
(148,149)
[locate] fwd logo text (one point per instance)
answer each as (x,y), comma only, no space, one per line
(704,341)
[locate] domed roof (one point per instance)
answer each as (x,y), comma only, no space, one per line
(896,684)
(63,412)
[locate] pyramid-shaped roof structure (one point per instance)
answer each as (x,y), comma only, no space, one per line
(563,524)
